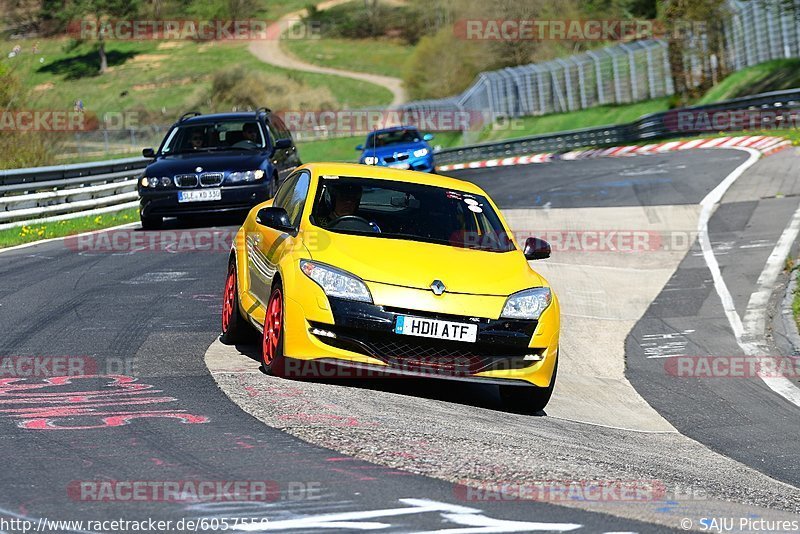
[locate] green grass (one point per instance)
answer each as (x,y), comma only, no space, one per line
(586,118)
(48,230)
(161,79)
(769,76)
(373,56)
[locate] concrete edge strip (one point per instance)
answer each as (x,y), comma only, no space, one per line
(766,145)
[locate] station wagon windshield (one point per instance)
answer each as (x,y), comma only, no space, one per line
(401,210)
(213,136)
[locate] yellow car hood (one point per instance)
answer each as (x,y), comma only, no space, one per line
(417,264)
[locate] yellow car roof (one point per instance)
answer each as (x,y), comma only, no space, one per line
(385,173)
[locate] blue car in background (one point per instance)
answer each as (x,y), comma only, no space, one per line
(401,147)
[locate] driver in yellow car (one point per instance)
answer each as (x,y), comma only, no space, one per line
(345,200)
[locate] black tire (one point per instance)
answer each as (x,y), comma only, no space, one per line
(273,187)
(272,359)
(235,328)
(528,399)
(152,222)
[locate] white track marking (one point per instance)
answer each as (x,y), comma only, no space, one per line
(755,315)
(750,332)
(461,515)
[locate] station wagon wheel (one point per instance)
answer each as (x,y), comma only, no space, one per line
(273,186)
(272,339)
(234,326)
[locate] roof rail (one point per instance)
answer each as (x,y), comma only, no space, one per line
(189,115)
(263,110)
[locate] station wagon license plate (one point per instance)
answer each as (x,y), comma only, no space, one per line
(200,195)
(420,326)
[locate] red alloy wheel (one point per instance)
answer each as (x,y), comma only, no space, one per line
(273,326)
(229,299)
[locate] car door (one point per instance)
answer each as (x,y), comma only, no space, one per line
(268,246)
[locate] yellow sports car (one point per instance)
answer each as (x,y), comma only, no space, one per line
(376,271)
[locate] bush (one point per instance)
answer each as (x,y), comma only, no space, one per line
(237,88)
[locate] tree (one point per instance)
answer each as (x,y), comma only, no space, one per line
(89,16)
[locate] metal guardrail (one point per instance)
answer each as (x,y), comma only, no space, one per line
(653,126)
(61,192)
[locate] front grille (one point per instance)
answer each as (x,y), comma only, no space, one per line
(396,157)
(409,352)
(186,180)
(208,179)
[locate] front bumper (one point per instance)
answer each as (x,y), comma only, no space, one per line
(362,343)
(234,198)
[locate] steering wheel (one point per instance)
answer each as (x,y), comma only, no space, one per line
(351,222)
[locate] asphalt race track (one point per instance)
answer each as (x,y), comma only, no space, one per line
(158,399)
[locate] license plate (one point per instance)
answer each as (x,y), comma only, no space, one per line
(400,166)
(420,326)
(200,195)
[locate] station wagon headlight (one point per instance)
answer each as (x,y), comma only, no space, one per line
(370,160)
(245,176)
(421,152)
(527,304)
(335,282)
(152,182)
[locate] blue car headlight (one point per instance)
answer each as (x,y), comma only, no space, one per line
(245,176)
(370,160)
(421,152)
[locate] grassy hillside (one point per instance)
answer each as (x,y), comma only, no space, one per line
(374,56)
(769,76)
(159,78)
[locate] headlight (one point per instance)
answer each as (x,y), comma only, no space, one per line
(153,182)
(421,152)
(370,160)
(245,176)
(335,282)
(527,304)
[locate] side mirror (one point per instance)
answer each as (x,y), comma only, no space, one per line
(148,153)
(536,249)
(427,137)
(359,147)
(281,144)
(275,218)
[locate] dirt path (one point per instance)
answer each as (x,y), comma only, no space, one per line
(269,51)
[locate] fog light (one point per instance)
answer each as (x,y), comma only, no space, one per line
(532,358)
(323,333)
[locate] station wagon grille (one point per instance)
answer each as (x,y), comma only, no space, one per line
(208,179)
(186,180)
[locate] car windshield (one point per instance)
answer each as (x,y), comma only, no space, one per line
(401,210)
(217,135)
(393,137)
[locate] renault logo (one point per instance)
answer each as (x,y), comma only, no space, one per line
(438,287)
